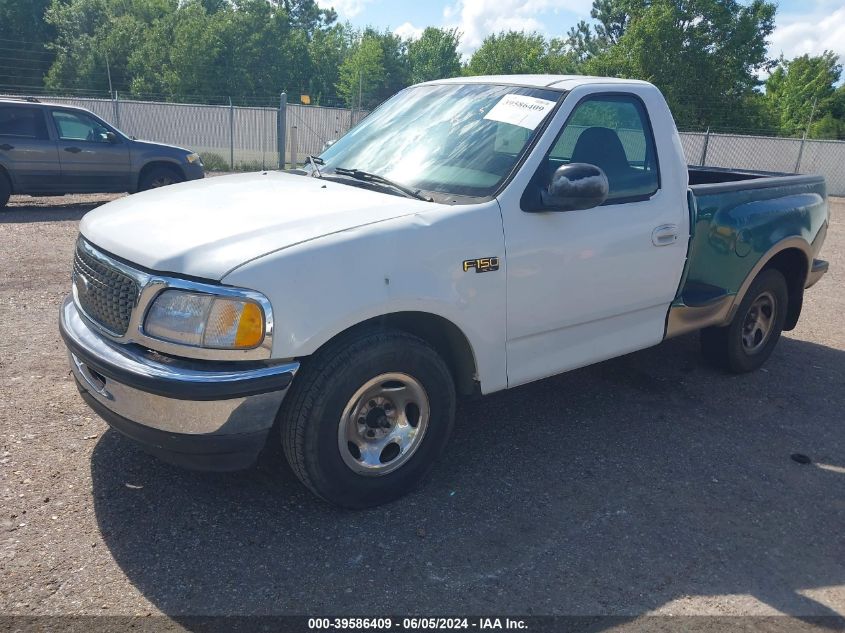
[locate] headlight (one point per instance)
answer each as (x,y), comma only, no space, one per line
(204,320)
(193,158)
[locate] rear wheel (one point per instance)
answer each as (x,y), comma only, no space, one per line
(159,177)
(5,190)
(748,341)
(367,417)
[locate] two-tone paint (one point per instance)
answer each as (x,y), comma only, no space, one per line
(504,293)
(571,288)
(738,229)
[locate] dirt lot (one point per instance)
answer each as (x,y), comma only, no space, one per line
(649,483)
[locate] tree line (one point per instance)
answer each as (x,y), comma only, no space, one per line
(705,55)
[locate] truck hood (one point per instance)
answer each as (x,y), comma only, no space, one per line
(208,227)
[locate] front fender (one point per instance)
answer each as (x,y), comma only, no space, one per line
(323,287)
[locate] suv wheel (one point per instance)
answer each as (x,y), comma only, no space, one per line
(160,177)
(367,417)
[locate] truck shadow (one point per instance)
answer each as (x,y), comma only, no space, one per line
(643,482)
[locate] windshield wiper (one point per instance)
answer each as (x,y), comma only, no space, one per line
(314,161)
(366,176)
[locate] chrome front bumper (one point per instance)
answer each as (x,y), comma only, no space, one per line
(203,414)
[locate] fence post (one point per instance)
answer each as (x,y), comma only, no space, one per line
(294,150)
(116,109)
(800,153)
(704,149)
(231,135)
(281,128)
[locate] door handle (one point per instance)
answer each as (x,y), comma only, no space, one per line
(6,147)
(664,235)
(73,150)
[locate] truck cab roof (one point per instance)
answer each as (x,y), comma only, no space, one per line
(554,82)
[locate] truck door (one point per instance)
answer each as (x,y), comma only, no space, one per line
(26,150)
(588,285)
(93,158)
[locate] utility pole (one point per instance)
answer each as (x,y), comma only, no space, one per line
(108,72)
(804,137)
(360,92)
(281,128)
(231,135)
(812,114)
(704,147)
(116,103)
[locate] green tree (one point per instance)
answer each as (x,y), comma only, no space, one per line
(613,16)
(95,38)
(375,69)
(561,59)
(509,53)
(515,52)
(307,15)
(24,35)
(434,55)
(704,55)
(247,50)
(802,88)
(361,73)
(396,71)
(582,42)
(327,50)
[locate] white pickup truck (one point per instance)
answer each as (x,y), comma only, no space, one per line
(470,235)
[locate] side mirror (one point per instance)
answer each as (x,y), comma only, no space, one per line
(111,137)
(575,186)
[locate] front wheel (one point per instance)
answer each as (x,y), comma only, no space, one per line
(748,341)
(159,177)
(367,417)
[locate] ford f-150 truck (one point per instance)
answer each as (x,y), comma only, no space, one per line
(470,235)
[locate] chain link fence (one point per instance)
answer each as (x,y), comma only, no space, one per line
(249,138)
(766,153)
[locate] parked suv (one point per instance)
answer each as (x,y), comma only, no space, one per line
(48,149)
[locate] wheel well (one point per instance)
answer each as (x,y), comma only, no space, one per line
(444,336)
(159,163)
(6,175)
(793,265)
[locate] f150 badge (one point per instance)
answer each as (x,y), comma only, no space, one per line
(482,264)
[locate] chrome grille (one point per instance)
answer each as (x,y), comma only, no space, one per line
(105,294)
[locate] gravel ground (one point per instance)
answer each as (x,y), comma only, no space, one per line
(646,484)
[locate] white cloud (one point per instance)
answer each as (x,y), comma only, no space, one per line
(476,19)
(408,31)
(822,28)
(344,8)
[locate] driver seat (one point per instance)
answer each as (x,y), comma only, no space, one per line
(600,146)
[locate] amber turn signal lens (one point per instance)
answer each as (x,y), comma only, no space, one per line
(251,326)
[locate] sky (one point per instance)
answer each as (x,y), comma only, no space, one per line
(802,26)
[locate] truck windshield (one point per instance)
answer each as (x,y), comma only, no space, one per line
(452,139)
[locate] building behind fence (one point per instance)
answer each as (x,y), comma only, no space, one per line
(248,138)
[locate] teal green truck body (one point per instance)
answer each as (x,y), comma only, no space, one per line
(742,222)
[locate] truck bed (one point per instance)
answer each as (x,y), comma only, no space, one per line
(720,175)
(737,217)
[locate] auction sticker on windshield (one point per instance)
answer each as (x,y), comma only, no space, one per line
(521,110)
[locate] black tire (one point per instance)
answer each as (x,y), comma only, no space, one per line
(725,347)
(5,190)
(159,177)
(324,387)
